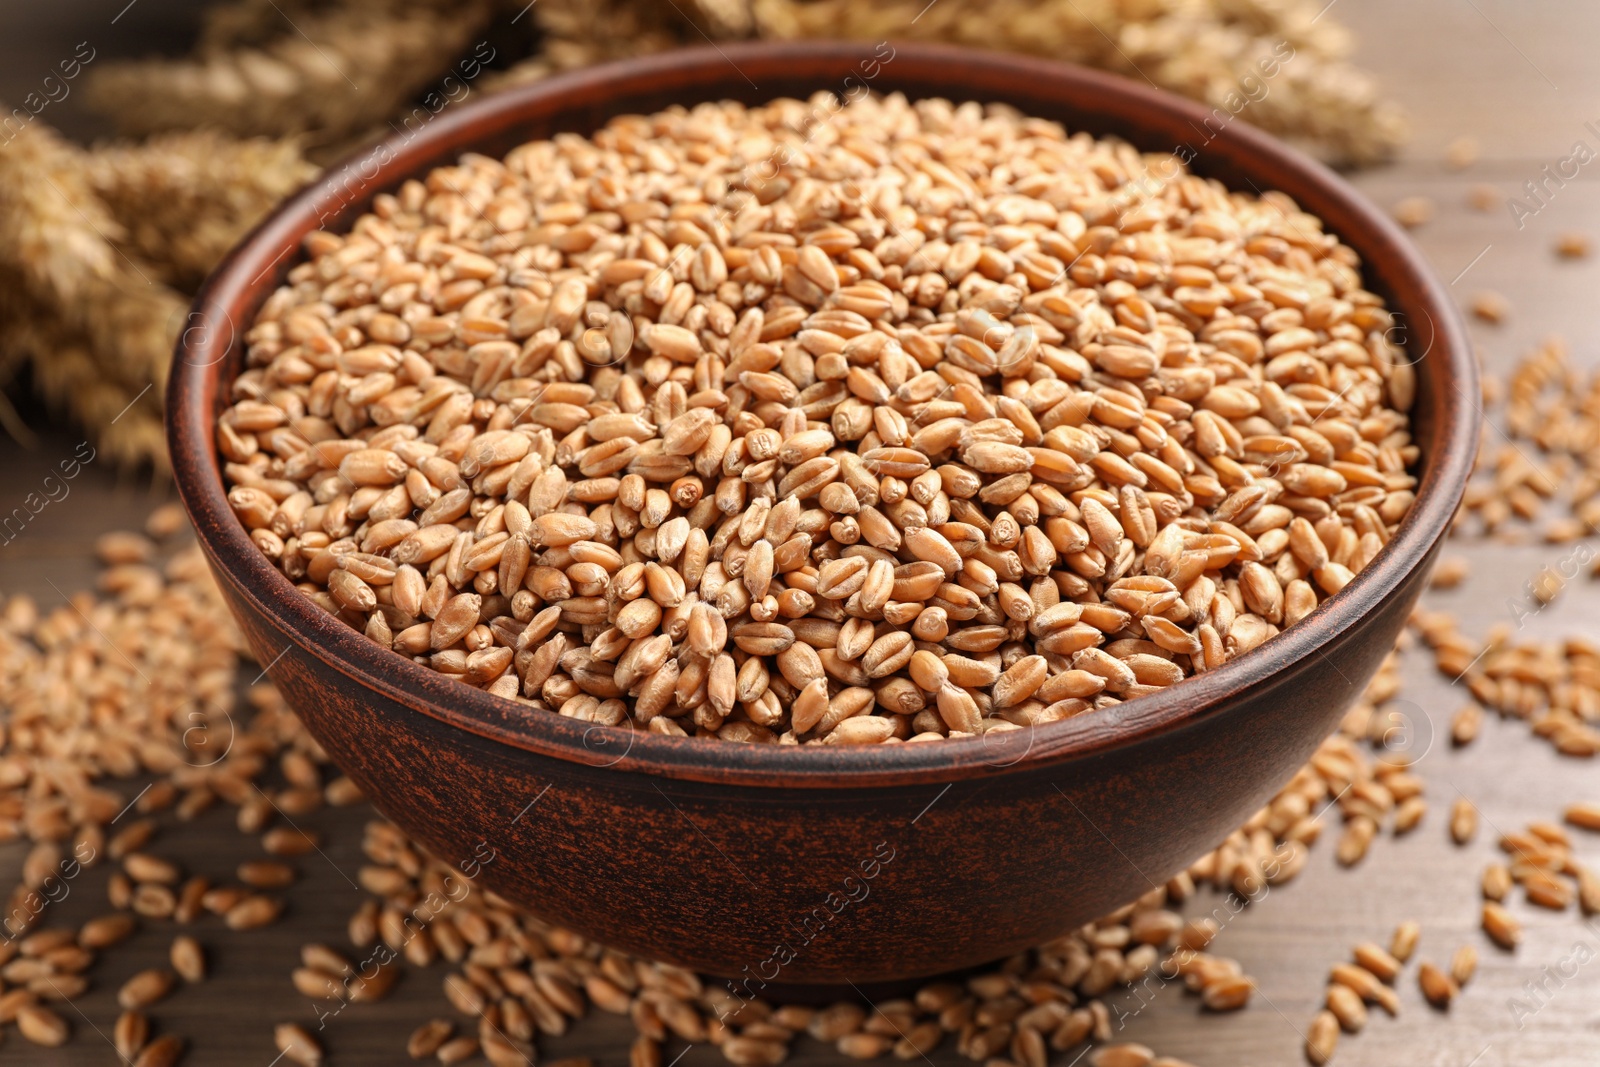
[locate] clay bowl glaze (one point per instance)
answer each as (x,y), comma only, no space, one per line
(823,864)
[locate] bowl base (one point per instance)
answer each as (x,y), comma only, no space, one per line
(821,994)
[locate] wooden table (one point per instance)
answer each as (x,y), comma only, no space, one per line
(1519,78)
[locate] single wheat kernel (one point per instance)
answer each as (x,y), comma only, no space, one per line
(1126,1054)
(1404,941)
(1496,882)
(1573,246)
(1461,153)
(1498,923)
(145,988)
(1547,890)
(1490,306)
(1463,820)
(457,1050)
(426,1039)
(106,931)
(1348,1007)
(1588,890)
(1413,211)
(1439,988)
(1450,572)
(1466,724)
(1408,815)
(297,1044)
(1377,960)
(1585,816)
(1227,994)
(164,1051)
(1463,965)
(42,1026)
(1357,836)
(188,958)
(130,1034)
(1322,1037)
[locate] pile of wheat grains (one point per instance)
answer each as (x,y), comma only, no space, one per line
(139,682)
(136,684)
(136,681)
(813,422)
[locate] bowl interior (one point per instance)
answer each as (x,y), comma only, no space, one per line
(1212,144)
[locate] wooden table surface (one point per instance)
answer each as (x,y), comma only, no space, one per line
(1522,80)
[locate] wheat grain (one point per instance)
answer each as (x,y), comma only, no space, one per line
(457,1050)
(428,1038)
(130,1034)
(1461,153)
(1450,572)
(1404,941)
(821,446)
(1585,816)
(1573,246)
(297,1044)
(1374,958)
(145,989)
(1413,211)
(1322,1037)
(1437,986)
(1502,928)
(42,1026)
(1348,1007)
(1463,820)
(162,1052)
(1490,306)
(1463,965)
(188,958)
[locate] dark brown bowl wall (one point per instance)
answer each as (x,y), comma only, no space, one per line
(823,864)
(718,876)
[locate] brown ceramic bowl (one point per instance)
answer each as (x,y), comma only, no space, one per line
(823,864)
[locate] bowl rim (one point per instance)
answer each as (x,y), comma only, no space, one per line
(237,286)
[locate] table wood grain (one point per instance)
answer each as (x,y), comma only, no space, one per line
(1521,79)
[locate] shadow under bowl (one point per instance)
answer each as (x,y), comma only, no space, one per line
(823,864)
